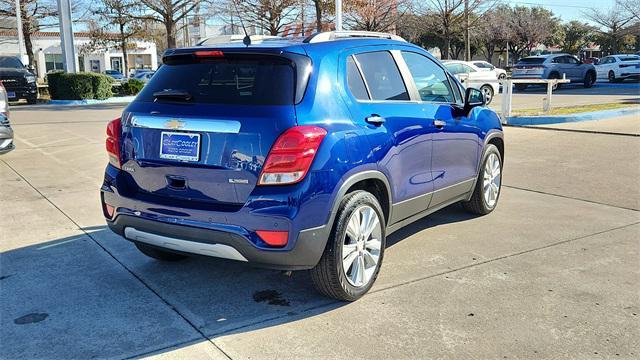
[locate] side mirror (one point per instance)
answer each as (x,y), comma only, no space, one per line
(472,98)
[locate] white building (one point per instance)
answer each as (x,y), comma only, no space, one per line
(48,54)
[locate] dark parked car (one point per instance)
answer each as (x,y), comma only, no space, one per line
(298,154)
(554,66)
(6,134)
(19,82)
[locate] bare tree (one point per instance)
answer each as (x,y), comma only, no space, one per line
(36,14)
(118,16)
(613,28)
(168,13)
(271,16)
(374,15)
(323,8)
(632,7)
(493,31)
(531,27)
(449,16)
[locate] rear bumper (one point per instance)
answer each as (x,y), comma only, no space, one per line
(187,239)
(293,209)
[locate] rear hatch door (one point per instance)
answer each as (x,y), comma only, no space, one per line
(200,130)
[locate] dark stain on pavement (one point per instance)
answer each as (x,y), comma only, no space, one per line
(31,318)
(272,297)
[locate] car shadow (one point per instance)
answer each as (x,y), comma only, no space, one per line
(95,295)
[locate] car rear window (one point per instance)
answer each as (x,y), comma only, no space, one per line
(251,81)
(531,60)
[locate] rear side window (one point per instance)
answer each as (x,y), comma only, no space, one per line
(258,81)
(531,61)
(382,76)
(629,58)
(355,81)
(430,79)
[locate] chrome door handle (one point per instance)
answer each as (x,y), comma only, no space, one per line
(439,123)
(375,119)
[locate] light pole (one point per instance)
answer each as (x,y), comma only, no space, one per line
(66,36)
(21,49)
(467,41)
(338,15)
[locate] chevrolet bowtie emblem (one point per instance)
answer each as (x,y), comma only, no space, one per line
(174,124)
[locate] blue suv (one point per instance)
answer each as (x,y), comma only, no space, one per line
(298,154)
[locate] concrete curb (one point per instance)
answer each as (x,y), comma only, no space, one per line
(558,119)
(113,100)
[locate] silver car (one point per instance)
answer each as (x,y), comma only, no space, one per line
(554,66)
(6,133)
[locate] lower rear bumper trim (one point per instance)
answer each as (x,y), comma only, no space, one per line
(215,250)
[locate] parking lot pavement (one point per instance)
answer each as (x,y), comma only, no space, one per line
(623,125)
(553,272)
(574,95)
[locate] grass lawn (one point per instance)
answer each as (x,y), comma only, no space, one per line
(574,109)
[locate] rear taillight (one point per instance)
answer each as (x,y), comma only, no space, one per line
(114,129)
(291,156)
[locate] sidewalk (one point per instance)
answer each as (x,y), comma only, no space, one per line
(629,125)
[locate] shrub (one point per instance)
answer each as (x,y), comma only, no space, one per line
(52,80)
(79,86)
(131,87)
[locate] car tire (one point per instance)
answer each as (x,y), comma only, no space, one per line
(521,87)
(32,101)
(557,77)
(158,254)
(589,79)
(612,77)
(487,90)
(329,276)
(486,191)
(502,76)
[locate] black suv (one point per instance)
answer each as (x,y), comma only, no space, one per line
(19,82)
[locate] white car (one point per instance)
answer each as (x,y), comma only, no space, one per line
(618,67)
(485,66)
(471,76)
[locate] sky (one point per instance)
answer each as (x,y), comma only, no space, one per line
(567,10)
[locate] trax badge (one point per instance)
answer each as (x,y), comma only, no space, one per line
(174,124)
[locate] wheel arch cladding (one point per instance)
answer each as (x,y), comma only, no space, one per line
(378,189)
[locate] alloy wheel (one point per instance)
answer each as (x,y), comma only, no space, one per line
(491,180)
(487,91)
(361,246)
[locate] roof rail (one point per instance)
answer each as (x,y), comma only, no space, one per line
(335,35)
(225,39)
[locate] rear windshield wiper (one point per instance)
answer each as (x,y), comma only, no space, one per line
(173,95)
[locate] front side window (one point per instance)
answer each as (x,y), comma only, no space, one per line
(382,76)
(571,60)
(431,80)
